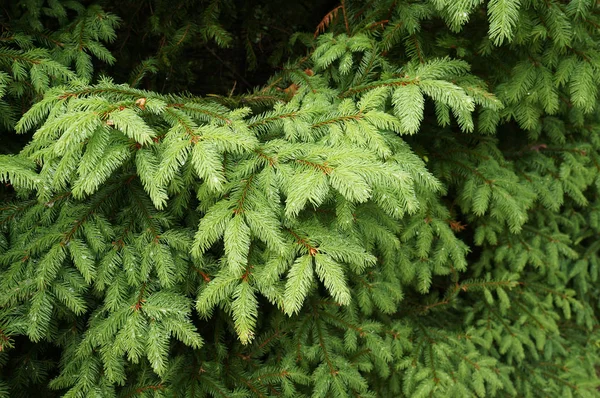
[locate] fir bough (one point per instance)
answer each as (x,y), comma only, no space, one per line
(410,209)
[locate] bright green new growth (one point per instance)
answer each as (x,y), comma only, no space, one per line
(417,216)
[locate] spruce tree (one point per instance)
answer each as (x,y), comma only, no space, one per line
(409,206)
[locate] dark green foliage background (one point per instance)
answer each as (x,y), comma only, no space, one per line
(256,199)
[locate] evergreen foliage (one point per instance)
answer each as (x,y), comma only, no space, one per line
(408,207)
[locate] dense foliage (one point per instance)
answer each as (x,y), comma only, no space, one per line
(244,199)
